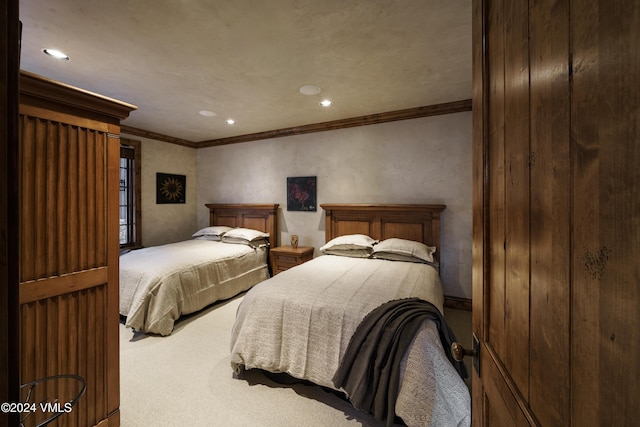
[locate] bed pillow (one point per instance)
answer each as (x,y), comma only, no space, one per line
(210,238)
(246,236)
(350,245)
(395,249)
(211,233)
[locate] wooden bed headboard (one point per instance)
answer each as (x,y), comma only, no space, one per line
(262,217)
(381,221)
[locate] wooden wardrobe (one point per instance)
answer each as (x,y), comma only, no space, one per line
(556,212)
(69,245)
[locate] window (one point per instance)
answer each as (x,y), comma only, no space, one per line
(130,194)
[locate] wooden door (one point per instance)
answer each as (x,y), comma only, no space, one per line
(556,238)
(605,292)
(9,243)
(69,172)
(522,213)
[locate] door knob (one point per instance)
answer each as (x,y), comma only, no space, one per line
(459,352)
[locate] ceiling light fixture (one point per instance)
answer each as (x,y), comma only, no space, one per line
(207,113)
(56,54)
(310,90)
(230,121)
(325,102)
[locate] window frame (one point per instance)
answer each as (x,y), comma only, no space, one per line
(137,192)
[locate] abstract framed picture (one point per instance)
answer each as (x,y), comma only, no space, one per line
(170,188)
(301,193)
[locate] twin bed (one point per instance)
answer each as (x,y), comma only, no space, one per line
(161,283)
(301,321)
(305,321)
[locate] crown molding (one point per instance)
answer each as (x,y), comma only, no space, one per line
(129,130)
(390,116)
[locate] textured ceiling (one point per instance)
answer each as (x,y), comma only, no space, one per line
(247,59)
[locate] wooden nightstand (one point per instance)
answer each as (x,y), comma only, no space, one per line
(285,257)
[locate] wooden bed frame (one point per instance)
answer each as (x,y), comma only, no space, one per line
(382,221)
(262,217)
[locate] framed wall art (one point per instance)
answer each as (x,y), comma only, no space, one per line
(170,188)
(301,193)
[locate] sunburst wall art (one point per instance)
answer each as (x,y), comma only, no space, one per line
(170,188)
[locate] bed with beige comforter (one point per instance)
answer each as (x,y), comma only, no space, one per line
(300,322)
(161,283)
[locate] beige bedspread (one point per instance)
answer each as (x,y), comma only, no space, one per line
(300,322)
(161,283)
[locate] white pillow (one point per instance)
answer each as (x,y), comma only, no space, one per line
(352,245)
(210,238)
(404,250)
(212,233)
(246,236)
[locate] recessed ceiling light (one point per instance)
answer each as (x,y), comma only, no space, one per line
(207,113)
(56,54)
(325,102)
(230,121)
(310,90)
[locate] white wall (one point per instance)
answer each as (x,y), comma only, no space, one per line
(426,160)
(167,223)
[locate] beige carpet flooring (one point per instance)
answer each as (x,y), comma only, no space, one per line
(185,379)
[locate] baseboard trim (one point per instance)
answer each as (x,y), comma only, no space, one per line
(457,303)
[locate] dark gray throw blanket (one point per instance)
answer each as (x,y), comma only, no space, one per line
(370,369)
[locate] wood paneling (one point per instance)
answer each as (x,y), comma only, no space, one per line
(479,236)
(63,196)
(517,182)
(66,334)
(501,407)
(606,212)
(112,360)
(549,395)
(35,290)
(496,195)
(69,171)
(556,212)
